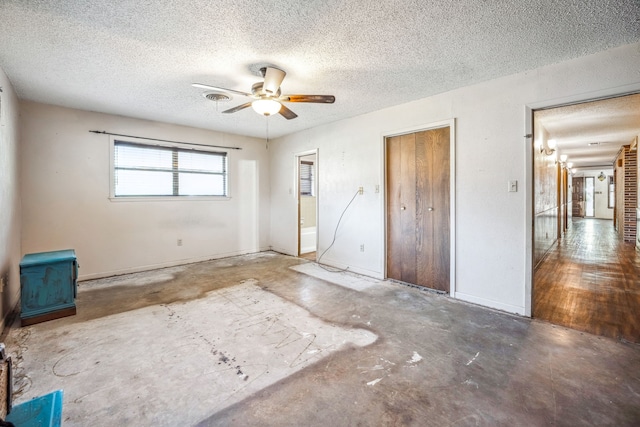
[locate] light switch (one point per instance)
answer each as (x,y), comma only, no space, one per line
(513,186)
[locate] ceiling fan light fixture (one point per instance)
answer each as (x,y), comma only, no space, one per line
(266,107)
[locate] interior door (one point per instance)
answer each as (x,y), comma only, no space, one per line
(578,197)
(418,214)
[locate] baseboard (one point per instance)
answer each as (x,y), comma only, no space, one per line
(138,269)
(282,251)
(354,269)
(490,303)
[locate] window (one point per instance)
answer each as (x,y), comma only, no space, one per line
(612,192)
(306,178)
(144,170)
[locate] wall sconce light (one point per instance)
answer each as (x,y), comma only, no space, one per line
(549,148)
(563,162)
(601,177)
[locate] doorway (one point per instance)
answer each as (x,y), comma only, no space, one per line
(307,195)
(589,197)
(584,278)
(418,238)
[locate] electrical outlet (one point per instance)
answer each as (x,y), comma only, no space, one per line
(362,248)
(179,242)
(377,188)
(360,190)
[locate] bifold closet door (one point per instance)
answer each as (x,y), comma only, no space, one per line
(418,220)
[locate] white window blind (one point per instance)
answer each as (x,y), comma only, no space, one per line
(144,170)
(307,173)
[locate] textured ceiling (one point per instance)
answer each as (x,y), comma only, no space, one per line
(591,133)
(139,58)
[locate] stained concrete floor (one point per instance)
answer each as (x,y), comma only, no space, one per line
(272,340)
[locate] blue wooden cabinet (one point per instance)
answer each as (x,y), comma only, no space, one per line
(48,285)
(43,411)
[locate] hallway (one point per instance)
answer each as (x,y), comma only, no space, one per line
(590,281)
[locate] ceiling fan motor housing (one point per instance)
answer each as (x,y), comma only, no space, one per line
(258,90)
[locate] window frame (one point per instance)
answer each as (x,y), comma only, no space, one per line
(312,178)
(154,144)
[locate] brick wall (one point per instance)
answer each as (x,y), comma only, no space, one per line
(630,195)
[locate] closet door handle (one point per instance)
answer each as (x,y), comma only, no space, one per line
(402,208)
(430,209)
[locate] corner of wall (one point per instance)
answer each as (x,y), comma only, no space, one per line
(10,225)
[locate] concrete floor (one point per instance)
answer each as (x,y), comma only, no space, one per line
(272,340)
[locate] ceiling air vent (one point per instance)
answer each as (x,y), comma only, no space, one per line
(217,96)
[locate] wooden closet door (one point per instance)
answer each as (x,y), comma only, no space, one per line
(401,188)
(432,213)
(418,221)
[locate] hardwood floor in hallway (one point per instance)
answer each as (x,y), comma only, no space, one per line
(590,281)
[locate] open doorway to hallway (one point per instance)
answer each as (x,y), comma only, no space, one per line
(586,210)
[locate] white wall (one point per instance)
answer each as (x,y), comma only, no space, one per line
(65,196)
(9,199)
(492,266)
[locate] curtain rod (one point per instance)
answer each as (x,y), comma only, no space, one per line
(163,140)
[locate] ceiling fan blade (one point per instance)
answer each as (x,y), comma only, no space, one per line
(221,89)
(238,108)
(272,80)
(287,113)
(320,99)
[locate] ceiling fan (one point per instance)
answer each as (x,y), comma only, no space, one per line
(268,97)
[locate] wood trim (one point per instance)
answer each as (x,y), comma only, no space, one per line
(26,321)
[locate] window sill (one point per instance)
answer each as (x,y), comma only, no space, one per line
(170,199)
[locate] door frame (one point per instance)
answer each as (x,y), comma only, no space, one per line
(528,161)
(296,168)
(450,123)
